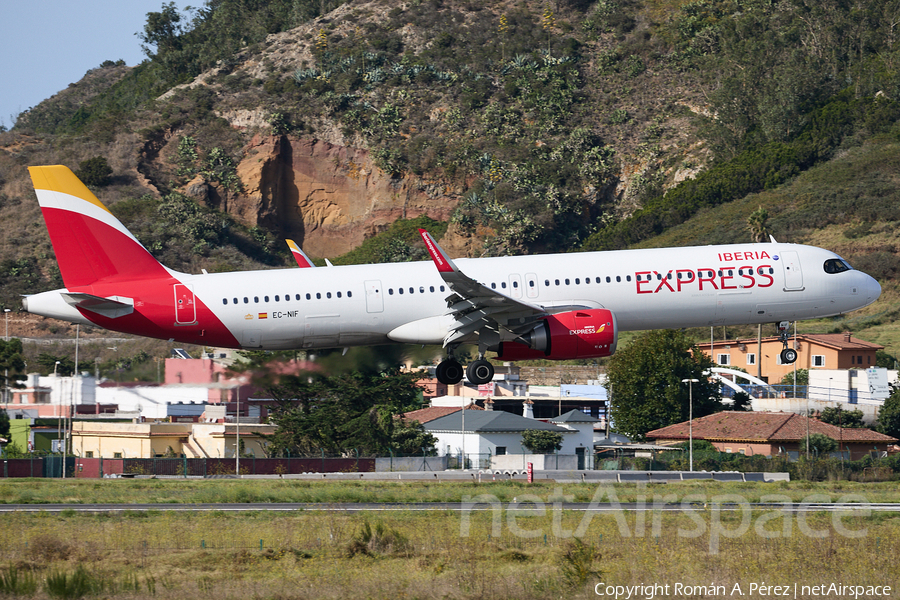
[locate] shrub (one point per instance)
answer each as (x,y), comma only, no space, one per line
(94,172)
(380,539)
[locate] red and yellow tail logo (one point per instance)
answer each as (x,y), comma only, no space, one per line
(91,244)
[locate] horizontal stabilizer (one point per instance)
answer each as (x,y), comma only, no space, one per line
(108,307)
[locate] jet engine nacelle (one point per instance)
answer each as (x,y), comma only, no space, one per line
(577,334)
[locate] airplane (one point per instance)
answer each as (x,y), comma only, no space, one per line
(556,306)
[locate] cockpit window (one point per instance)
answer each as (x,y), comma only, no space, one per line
(836,265)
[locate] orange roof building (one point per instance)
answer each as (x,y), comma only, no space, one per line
(814,351)
(769,434)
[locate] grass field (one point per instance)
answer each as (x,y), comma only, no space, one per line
(498,553)
(166,491)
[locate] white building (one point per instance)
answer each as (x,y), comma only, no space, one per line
(490,433)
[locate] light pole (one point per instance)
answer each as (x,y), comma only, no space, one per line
(691,383)
(6,371)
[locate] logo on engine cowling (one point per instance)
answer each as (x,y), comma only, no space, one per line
(588,330)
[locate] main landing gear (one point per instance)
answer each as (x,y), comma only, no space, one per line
(788,355)
(449,371)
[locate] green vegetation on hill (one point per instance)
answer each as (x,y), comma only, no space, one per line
(400,242)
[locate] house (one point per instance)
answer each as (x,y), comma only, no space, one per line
(489,433)
(814,351)
(95,439)
(50,396)
(770,434)
(36,435)
(584,424)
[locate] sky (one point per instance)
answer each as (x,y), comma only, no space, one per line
(47,44)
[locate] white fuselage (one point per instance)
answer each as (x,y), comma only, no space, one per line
(678,287)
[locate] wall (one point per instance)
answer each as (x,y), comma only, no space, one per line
(412,463)
(540,462)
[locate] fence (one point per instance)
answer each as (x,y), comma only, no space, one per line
(52,466)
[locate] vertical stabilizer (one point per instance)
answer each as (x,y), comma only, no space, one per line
(91,244)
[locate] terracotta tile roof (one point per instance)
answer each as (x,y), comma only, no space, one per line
(838,341)
(424,415)
(763,427)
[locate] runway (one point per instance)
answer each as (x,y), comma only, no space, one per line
(519,507)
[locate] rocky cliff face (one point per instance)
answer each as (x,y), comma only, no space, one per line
(328,198)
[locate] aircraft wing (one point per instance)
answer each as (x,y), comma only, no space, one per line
(476,307)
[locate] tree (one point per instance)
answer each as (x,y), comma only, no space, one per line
(347,413)
(741,402)
(802,378)
(94,172)
(837,416)
(4,423)
(539,441)
(645,382)
(410,437)
(162,30)
(12,363)
(48,364)
(889,416)
(819,444)
(883,359)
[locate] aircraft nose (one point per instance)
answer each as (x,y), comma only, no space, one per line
(873,289)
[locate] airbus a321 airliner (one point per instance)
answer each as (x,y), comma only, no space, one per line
(559,307)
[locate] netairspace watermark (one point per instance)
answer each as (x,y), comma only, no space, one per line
(768,590)
(705,512)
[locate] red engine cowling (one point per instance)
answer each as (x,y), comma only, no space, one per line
(565,336)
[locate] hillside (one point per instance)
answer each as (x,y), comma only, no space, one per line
(522,126)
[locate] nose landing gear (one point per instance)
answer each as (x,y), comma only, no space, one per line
(788,355)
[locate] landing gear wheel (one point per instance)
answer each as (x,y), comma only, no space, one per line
(449,372)
(480,371)
(788,356)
